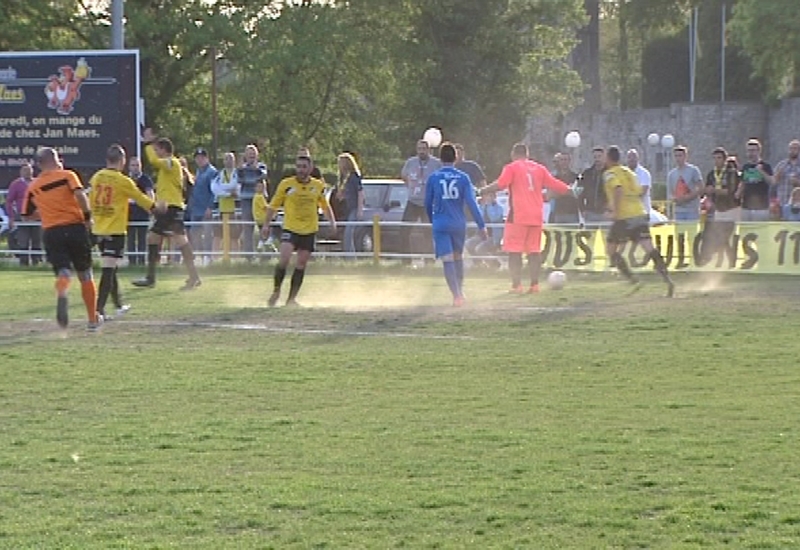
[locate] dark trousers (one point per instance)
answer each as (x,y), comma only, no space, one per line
(28,238)
(247,225)
(413,213)
(137,243)
(716,238)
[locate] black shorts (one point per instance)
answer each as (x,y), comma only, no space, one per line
(68,247)
(300,242)
(111,246)
(632,229)
(169,223)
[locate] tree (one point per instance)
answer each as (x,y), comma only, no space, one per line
(47,25)
(315,74)
(480,68)
(767,31)
(665,72)
(628,27)
(740,81)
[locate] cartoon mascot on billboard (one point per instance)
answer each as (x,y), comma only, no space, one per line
(64,89)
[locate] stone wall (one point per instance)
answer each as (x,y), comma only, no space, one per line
(701,127)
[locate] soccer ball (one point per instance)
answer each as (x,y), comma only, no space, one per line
(556,280)
(433,136)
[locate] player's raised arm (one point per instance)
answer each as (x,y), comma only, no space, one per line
(155,161)
(147,203)
(551,183)
(475,210)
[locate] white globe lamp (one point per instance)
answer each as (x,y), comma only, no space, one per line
(433,136)
(653,139)
(668,141)
(572,140)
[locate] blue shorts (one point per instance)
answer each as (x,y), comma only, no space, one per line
(449,241)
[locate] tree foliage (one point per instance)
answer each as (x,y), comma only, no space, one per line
(665,72)
(740,82)
(630,26)
(361,75)
(767,31)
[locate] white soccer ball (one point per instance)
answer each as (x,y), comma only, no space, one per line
(433,136)
(556,280)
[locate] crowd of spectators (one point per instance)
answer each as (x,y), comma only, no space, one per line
(732,191)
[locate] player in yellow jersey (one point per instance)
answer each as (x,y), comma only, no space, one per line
(631,222)
(110,193)
(300,196)
(169,188)
(260,204)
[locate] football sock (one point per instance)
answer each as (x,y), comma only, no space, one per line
(188,259)
(62,285)
(153,255)
(535,265)
(459,265)
(106,283)
(280,274)
(661,266)
(297,282)
(619,262)
(89,292)
(115,294)
(451,277)
(515,267)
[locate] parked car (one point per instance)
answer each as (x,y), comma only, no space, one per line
(387,199)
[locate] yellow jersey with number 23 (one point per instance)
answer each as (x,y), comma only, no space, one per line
(110,191)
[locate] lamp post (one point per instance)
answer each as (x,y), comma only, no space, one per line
(653,140)
(667,143)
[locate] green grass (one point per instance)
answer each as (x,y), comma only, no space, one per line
(379,417)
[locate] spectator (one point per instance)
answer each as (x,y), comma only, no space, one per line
(227,190)
(643,177)
(756,181)
(248,175)
(791,211)
(4,227)
(201,205)
(566,208)
(722,183)
(684,186)
(350,176)
(592,201)
(27,238)
(260,205)
(415,173)
(137,234)
(787,175)
(492,214)
(470,167)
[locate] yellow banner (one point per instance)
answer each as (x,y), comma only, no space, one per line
(723,246)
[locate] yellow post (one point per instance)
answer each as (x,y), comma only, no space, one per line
(376,239)
(226,238)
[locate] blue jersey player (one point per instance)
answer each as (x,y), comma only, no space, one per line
(447,191)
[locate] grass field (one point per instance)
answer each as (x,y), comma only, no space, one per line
(377,416)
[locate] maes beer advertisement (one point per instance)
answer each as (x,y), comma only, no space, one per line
(79,102)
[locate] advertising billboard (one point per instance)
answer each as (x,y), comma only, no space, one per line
(79,102)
